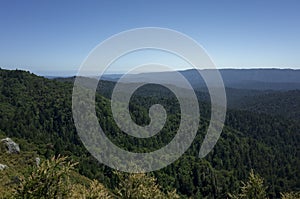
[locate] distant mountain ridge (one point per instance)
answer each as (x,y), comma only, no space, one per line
(257,79)
(261,75)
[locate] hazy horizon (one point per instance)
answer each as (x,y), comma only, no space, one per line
(74,73)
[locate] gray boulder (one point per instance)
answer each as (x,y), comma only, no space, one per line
(11,146)
(3,166)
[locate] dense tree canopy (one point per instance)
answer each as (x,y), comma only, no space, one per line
(38,110)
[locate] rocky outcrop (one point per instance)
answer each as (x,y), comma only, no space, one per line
(3,166)
(11,146)
(37,161)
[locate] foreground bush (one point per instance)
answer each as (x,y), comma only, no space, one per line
(94,191)
(253,189)
(291,195)
(51,179)
(136,186)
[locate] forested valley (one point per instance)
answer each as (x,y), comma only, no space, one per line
(262,146)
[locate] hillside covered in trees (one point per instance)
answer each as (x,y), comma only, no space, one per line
(38,112)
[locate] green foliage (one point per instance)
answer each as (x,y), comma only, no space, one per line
(140,186)
(52,180)
(18,164)
(253,189)
(56,178)
(282,103)
(38,110)
(95,190)
(49,180)
(291,195)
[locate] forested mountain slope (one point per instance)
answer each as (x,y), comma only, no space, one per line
(39,110)
(281,103)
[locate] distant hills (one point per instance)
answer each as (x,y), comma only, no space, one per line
(269,91)
(256,79)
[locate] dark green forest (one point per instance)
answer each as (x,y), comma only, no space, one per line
(39,110)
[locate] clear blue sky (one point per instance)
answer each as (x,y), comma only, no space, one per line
(55,36)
